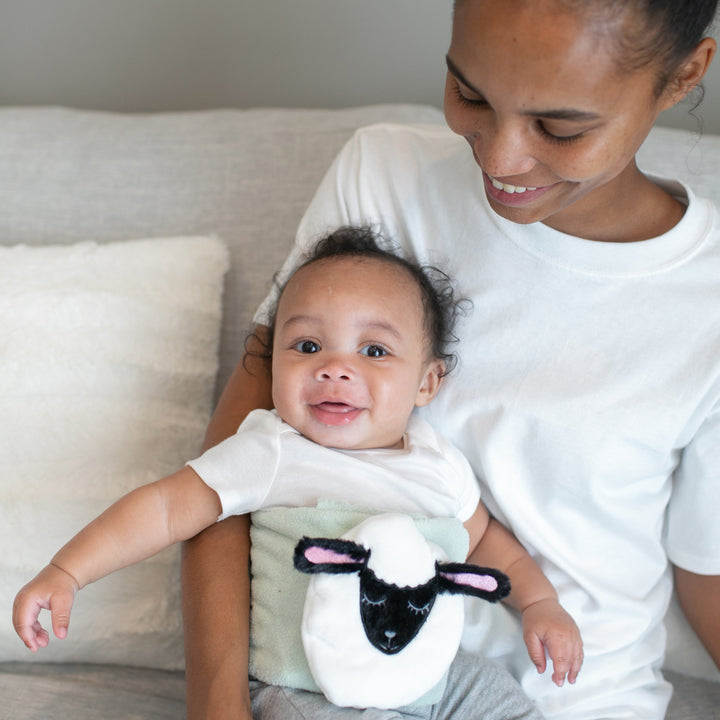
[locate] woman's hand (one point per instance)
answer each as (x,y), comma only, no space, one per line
(548,628)
(51,589)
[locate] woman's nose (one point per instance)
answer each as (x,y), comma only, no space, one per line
(503,150)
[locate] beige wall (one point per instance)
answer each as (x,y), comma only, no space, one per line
(147,55)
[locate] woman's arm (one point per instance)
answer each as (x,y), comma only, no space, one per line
(699,597)
(546,625)
(215,577)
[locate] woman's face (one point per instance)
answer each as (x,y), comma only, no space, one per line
(552,122)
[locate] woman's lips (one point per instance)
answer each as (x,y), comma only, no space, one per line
(334,413)
(512,195)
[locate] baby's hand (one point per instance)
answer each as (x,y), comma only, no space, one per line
(52,589)
(547,626)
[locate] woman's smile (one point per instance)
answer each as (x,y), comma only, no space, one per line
(513,195)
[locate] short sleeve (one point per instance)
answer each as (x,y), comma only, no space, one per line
(693,521)
(468,489)
(241,469)
(458,474)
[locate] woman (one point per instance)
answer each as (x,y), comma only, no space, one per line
(588,397)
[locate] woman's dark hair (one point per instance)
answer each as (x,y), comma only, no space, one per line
(665,32)
(441,309)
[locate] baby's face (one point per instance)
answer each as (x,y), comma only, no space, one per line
(350,356)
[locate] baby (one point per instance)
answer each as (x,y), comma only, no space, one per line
(359,339)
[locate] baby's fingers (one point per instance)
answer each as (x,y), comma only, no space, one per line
(27,625)
(52,589)
(536,651)
(60,607)
(575,665)
(567,659)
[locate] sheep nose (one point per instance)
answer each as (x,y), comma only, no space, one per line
(390,634)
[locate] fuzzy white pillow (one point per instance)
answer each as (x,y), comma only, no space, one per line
(108,357)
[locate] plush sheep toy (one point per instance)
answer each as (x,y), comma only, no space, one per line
(383,613)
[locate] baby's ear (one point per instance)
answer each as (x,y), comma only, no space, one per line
(431,381)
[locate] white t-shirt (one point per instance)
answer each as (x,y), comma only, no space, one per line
(587,398)
(269,464)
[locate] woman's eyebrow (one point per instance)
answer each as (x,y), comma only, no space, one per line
(454,70)
(557,114)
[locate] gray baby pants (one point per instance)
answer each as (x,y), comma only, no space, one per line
(477,689)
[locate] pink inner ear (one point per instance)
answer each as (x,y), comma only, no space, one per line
(482,582)
(318,555)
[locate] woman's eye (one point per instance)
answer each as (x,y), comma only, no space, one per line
(374,351)
(475,101)
(307,346)
(560,139)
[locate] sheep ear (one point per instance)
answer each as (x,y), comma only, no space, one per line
(329,555)
(466,579)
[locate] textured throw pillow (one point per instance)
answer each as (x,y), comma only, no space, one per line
(108,357)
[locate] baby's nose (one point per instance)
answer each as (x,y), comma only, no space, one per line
(335,369)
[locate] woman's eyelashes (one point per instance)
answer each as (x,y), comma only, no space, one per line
(559,139)
(480,102)
(469,101)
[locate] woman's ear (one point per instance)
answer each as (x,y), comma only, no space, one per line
(690,73)
(431,382)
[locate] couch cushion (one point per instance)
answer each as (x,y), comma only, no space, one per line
(89,692)
(108,357)
(244,175)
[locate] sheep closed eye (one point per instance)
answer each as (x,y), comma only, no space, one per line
(374,603)
(424,610)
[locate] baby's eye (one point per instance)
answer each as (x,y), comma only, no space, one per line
(424,610)
(307,346)
(375,351)
(365,599)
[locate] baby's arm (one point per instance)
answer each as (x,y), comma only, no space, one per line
(136,527)
(546,625)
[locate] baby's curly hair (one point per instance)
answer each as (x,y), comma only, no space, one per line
(440,305)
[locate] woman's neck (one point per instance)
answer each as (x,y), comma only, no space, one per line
(633,209)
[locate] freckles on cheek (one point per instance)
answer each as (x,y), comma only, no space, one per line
(588,165)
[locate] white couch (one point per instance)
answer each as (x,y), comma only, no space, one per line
(112,351)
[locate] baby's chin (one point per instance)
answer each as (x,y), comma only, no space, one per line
(335,439)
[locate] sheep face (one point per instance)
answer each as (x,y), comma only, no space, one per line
(384,611)
(392,616)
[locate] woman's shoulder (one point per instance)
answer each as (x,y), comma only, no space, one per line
(423,131)
(686,156)
(413,140)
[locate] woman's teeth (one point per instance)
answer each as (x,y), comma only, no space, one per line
(509,188)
